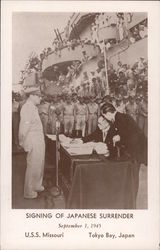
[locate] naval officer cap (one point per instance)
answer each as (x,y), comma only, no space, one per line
(33,91)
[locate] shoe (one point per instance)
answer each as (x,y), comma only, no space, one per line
(55,191)
(40,189)
(19,147)
(33,196)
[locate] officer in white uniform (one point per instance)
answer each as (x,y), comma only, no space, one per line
(68,114)
(93,111)
(31,138)
(81,116)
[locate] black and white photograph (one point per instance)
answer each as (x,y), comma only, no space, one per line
(79,110)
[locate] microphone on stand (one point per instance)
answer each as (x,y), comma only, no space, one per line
(56,191)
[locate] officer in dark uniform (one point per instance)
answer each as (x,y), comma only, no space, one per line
(127,133)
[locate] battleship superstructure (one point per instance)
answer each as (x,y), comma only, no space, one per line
(88,40)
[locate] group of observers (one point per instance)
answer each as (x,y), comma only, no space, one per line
(119,20)
(58,45)
(72,71)
(63,79)
(114,76)
(78,107)
(129,80)
(104,20)
(76,113)
(101,21)
(128,93)
(35,63)
(88,84)
(139,31)
(125,80)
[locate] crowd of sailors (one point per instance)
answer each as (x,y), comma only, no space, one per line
(77,108)
(101,21)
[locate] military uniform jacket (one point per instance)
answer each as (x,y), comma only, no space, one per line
(132,138)
(30,128)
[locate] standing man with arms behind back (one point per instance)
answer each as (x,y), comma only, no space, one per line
(31,138)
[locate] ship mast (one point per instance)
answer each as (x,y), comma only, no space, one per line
(105,63)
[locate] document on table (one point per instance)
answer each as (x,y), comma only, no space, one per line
(52,137)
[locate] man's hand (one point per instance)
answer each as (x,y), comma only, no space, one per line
(116,138)
(21,140)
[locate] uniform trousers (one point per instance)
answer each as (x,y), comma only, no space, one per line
(92,123)
(35,147)
(68,124)
(81,123)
